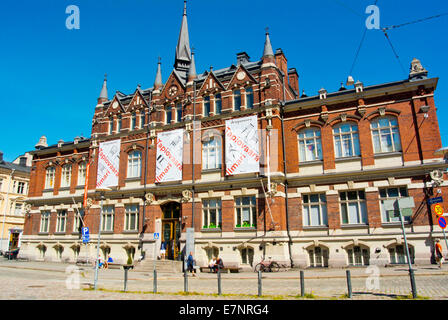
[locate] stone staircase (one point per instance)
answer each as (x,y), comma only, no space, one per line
(165,266)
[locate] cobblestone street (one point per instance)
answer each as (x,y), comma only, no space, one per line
(34,280)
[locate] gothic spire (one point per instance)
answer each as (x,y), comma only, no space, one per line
(183,52)
(192,69)
(267,46)
(158,82)
(103,93)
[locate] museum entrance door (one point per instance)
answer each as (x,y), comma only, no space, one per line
(171,229)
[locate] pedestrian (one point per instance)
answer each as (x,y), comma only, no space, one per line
(439,253)
(163,250)
(190,263)
(212,263)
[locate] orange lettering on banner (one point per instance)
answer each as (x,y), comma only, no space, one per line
(86,185)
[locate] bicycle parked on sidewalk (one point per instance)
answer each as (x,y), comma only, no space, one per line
(267,266)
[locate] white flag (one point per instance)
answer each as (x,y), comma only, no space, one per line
(242,150)
(108,164)
(169,155)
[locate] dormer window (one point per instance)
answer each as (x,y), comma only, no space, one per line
(237,100)
(207,106)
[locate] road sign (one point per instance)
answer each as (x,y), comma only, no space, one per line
(85,235)
(435,200)
(442,222)
(438,209)
(156,235)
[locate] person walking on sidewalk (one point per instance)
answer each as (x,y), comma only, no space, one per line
(190,263)
(439,253)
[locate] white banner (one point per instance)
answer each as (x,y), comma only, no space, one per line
(242,147)
(169,155)
(108,164)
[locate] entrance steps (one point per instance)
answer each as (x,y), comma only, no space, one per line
(166,266)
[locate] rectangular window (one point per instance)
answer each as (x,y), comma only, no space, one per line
(18,209)
(237,100)
(353,207)
(211,153)
(77,220)
(118,124)
(131,217)
(310,146)
(1,184)
(211,213)
(45,221)
(21,187)
(245,209)
(179,112)
(142,119)
(168,116)
(61,221)
(133,121)
(82,167)
(392,194)
(49,178)
(66,176)
(206,106)
(218,104)
(111,125)
(249,98)
(108,218)
(315,210)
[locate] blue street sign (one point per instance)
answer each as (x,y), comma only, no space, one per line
(435,200)
(85,235)
(156,235)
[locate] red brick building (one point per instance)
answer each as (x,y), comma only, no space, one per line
(319,201)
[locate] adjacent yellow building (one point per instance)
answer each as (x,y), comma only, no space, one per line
(14,182)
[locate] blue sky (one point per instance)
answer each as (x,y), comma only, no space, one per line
(50,76)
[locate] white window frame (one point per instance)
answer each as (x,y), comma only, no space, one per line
(21,187)
(252,206)
(119,123)
(394,258)
(82,173)
(216,103)
(207,214)
(249,92)
(322,207)
(61,221)
(142,119)
(133,121)
(108,216)
(134,164)
(318,260)
(66,175)
(111,125)
(314,140)
(45,221)
(401,194)
(391,130)
(358,260)
(360,203)
(348,141)
(246,257)
(77,219)
(19,206)
(210,146)
(131,210)
(50,174)
(204,103)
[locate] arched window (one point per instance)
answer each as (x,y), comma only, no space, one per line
(49,178)
(247,256)
(310,146)
(211,153)
(66,176)
(385,134)
(358,256)
(206,106)
(218,103)
(346,140)
(134,164)
(398,254)
(237,100)
(249,98)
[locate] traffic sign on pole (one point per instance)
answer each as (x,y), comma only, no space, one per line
(156,235)
(438,209)
(442,222)
(435,200)
(85,235)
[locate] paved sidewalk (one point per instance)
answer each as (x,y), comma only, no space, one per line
(49,279)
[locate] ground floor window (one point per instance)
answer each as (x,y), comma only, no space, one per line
(76,251)
(247,256)
(106,252)
(211,253)
(398,254)
(318,257)
(358,256)
(59,250)
(42,250)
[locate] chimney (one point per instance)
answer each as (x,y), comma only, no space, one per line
(294,79)
(22,161)
(1,157)
(242,57)
(282,64)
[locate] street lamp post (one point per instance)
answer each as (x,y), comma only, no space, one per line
(102,192)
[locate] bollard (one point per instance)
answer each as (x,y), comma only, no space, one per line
(219,282)
(349,284)
(259,284)
(185,281)
(155,282)
(413,287)
(125,278)
(302,284)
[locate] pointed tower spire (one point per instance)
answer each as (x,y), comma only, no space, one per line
(103,94)
(158,82)
(192,69)
(183,52)
(267,46)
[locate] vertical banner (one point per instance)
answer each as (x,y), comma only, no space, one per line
(169,155)
(242,146)
(108,164)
